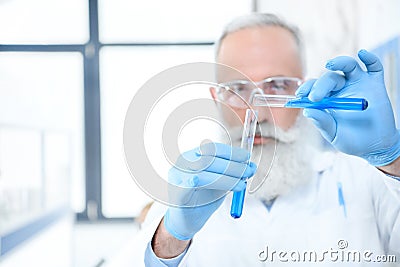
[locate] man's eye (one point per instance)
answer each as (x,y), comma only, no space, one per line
(279,86)
(238,88)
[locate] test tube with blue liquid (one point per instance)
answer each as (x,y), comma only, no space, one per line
(285,101)
(289,101)
(249,131)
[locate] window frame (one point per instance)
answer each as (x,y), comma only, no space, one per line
(92,120)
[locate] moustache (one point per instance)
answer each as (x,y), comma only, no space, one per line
(266,130)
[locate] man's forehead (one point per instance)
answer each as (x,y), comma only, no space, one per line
(268,36)
(260,52)
(226,73)
(229,77)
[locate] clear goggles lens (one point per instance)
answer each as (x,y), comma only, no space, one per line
(238,93)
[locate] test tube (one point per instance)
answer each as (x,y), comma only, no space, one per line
(289,101)
(249,130)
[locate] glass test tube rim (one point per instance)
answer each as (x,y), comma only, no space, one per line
(271,100)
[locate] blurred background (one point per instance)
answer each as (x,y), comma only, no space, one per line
(68,71)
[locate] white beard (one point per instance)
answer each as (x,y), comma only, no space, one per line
(291,160)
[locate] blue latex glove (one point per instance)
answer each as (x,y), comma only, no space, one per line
(204,176)
(370,134)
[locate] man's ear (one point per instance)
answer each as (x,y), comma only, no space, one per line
(213,93)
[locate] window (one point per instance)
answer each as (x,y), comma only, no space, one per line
(41,135)
(145,29)
(83,60)
(44,22)
(123,70)
(137,21)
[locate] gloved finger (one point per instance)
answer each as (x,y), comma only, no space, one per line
(372,62)
(223,166)
(328,82)
(347,65)
(305,88)
(216,181)
(195,160)
(324,121)
(178,177)
(182,193)
(224,151)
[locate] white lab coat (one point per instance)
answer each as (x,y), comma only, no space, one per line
(308,219)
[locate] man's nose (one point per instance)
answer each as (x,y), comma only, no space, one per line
(263,114)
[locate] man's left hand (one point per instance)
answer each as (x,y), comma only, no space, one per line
(370,134)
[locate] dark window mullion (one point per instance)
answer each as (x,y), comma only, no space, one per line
(92,120)
(42,48)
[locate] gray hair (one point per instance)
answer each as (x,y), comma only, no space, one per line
(255,20)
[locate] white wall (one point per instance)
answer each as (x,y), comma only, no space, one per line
(340,27)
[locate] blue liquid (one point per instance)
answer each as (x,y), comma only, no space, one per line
(329,102)
(237,203)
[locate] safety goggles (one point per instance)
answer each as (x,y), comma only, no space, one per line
(238,93)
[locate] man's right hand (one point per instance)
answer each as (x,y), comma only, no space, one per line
(204,176)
